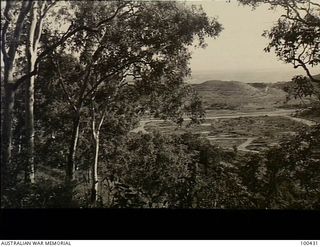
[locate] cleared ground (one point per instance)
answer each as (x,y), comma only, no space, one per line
(244,132)
(240,116)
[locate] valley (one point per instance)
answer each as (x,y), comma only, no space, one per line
(239,116)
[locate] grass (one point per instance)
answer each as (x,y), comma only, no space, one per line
(268,130)
(233,95)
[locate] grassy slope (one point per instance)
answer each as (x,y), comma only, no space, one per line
(239,95)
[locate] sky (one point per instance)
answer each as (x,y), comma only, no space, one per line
(237,54)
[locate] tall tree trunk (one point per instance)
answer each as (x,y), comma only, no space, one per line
(30,169)
(94,171)
(7,124)
(9,84)
(29,99)
(70,169)
(36,20)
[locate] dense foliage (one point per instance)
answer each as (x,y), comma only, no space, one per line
(95,81)
(183,171)
(73,91)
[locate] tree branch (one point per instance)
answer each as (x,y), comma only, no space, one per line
(94,87)
(39,26)
(112,16)
(4,30)
(71,103)
(66,36)
(93,121)
(47,9)
(316,4)
(301,63)
(78,29)
(32,32)
(25,8)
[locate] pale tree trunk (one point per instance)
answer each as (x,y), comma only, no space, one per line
(94,171)
(70,168)
(29,98)
(36,20)
(8,82)
(9,51)
(95,193)
(30,169)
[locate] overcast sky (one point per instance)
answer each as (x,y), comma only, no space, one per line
(237,54)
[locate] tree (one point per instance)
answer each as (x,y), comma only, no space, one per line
(95,67)
(9,50)
(157,170)
(153,171)
(37,15)
(16,15)
(295,39)
(111,101)
(150,59)
(292,172)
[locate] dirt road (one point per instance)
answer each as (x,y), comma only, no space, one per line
(141,128)
(243,146)
(249,140)
(285,113)
(302,120)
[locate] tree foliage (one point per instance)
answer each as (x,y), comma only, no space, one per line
(295,39)
(286,176)
(110,68)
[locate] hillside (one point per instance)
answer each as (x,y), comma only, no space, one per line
(238,95)
(227,88)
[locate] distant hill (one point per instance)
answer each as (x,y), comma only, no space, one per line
(317,77)
(238,95)
(227,88)
(280,85)
(262,85)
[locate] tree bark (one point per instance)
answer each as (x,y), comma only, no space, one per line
(7,132)
(70,169)
(36,20)
(94,171)
(9,85)
(29,99)
(30,169)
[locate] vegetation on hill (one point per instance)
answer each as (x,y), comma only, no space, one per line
(235,95)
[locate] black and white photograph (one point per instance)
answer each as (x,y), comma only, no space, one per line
(208,104)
